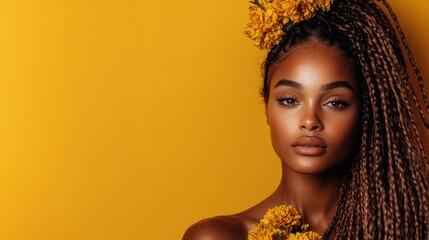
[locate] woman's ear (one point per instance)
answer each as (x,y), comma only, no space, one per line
(266,113)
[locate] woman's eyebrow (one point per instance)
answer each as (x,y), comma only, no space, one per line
(288,83)
(325,87)
(337,84)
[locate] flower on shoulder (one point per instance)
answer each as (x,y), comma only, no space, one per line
(304,236)
(265,27)
(282,223)
(265,232)
(282,216)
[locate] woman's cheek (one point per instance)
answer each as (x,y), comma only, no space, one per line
(344,128)
(282,135)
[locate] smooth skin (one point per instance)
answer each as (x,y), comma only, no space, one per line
(313,93)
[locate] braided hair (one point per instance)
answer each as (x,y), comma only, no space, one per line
(386,191)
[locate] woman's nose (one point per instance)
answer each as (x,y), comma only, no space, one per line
(311,121)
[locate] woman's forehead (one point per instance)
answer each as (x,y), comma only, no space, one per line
(314,64)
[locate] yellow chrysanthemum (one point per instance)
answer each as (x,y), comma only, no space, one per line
(282,216)
(296,10)
(304,236)
(265,27)
(264,232)
(278,223)
(270,18)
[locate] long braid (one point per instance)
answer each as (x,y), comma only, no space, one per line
(386,191)
(386,96)
(409,53)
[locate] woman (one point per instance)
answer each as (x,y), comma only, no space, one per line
(337,100)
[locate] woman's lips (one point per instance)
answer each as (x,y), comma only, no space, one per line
(309,146)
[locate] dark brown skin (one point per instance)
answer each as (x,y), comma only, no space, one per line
(303,102)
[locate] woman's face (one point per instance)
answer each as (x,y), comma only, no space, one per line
(313,109)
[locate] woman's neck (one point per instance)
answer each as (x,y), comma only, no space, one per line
(316,196)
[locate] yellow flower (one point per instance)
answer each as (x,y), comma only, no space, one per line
(264,232)
(296,10)
(282,216)
(265,27)
(278,223)
(269,19)
(304,236)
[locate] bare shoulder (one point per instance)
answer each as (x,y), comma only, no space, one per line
(232,227)
(218,228)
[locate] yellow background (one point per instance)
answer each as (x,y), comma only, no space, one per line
(134,119)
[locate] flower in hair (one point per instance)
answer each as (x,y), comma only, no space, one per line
(270,19)
(265,27)
(282,223)
(296,10)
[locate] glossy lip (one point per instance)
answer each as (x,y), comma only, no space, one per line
(309,146)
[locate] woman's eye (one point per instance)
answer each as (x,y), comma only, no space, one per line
(288,101)
(337,104)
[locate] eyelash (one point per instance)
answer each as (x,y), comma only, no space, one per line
(282,101)
(292,101)
(342,104)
